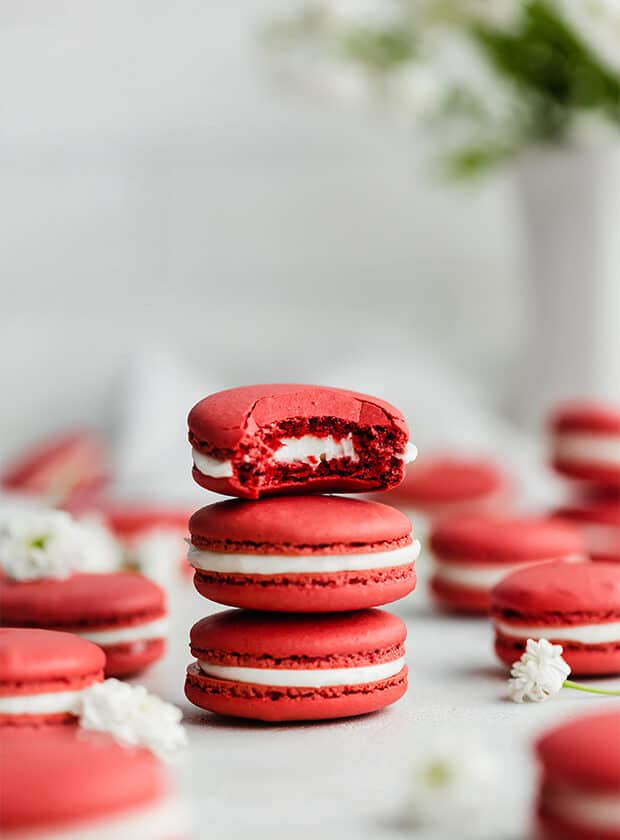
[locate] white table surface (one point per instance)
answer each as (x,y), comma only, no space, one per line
(348,779)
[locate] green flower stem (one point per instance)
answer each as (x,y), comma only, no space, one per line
(580,687)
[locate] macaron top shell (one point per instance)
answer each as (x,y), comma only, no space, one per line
(591,589)
(491,539)
(285,636)
(223,419)
(448,479)
(127,521)
(32,655)
(583,752)
(60,776)
(586,416)
(81,599)
(303,523)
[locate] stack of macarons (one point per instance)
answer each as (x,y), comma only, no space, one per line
(307,570)
(585,450)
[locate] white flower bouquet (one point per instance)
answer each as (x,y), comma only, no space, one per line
(495,75)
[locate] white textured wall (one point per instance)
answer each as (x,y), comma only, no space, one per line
(156,192)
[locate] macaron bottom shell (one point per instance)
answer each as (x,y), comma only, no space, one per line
(125,660)
(308,593)
(460,599)
(280,704)
(584,660)
(604,475)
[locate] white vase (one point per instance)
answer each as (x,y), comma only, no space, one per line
(571,206)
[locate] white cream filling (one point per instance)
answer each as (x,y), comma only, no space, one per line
(305,677)
(308,449)
(587,634)
(160,821)
(157,629)
(599,810)
(213,467)
(604,449)
(49,703)
(485,577)
(281,564)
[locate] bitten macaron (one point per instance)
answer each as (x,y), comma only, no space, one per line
(473,553)
(281,667)
(442,487)
(124,613)
(576,605)
(42,675)
(598,519)
(302,553)
(579,796)
(58,784)
(585,442)
(260,440)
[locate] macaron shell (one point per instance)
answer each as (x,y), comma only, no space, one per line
(605,475)
(446,480)
(586,416)
(307,593)
(55,777)
(551,827)
(572,592)
(277,704)
(460,599)
(100,600)
(584,660)
(44,657)
(284,636)
(493,539)
(583,752)
(130,659)
(303,525)
(221,419)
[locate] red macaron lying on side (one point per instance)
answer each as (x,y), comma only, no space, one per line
(60,469)
(123,613)
(576,605)
(585,442)
(280,667)
(598,519)
(579,797)
(302,553)
(446,486)
(473,553)
(42,675)
(267,439)
(64,784)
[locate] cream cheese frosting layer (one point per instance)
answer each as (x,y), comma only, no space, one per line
(305,678)
(161,821)
(585,447)
(307,449)
(485,577)
(599,810)
(587,634)
(50,703)
(270,564)
(157,629)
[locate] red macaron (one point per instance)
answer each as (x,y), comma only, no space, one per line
(66,783)
(473,553)
(61,469)
(282,667)
(576,605)
(598,519)
(585,442)
(123,613)
(268,439)
(579,797)
(302,553)
(441,487)
(43,673)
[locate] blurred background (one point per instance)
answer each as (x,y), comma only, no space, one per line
(177,217)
